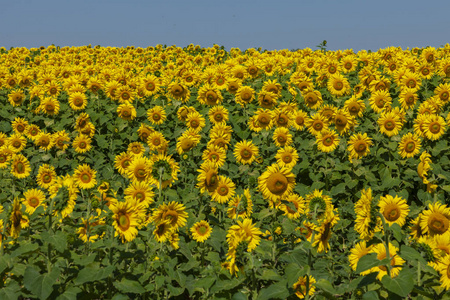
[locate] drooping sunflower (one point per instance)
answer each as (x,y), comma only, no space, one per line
(61,139)
(304,286)
(393,209)
(201,231)
(208,177)
(409,145)
(323,235)
(20,166)
(17,219)
(163,167)
(33,199)
(276,182)
(267,99)
(244,95)
(434,127)
(327,141)
(82,143)
(84,177)
(435,220)
(179,92)
(125,220)
(173,213)
(396,260)
(287,157)
(424,166)
(156,115)
(224,191)
(367,222)
(78,100)
(187,141)
(282,137)
(389,123)
(245,152)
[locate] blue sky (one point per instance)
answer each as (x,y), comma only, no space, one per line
(244,24)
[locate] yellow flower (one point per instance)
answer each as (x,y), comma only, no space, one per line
(282,137)
(394,209)
(304,286)
(201,231)
(245,152)
(435,220)
(20,166)
(327,140)
(77,100)
(409,145)
(33,199)
(287,157)
(156,115)
(276,182)
(84,177)
(224,191)
(173,213)
(390,123)
(126,111)
(434,127)
(125,220)
(396,260)
(82,143)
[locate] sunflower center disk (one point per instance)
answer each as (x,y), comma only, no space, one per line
(391,212)
(277,183)
(435,128)
(124,222)
(438,224)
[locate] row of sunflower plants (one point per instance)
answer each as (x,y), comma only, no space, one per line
(201,173)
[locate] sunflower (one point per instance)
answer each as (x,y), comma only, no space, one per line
(276,182)
(244,95)
(246,231)
(355,106)
(408,98)
(84,177)
(287,157)
(82,143)
(125,94)
(442,91)
(156,115)
(187,141)
(343,121)
(150,85)
(125,220)
(304,286)
(20,166)
(85,232)
(111,89)
(17,218)
(140,192)
(136,148)
(126,111)
(195,121)
(367,222)
(240,206)
(380,100)
(245,152)
(316,123)
(441,245)
(411,80)
(208,178)
(443,267)
(19,126)
(61,139)
(209,95)
(293,207)
(434,127)
(49,106)
(139,168)
(327,140)
(409,145)
(215,154)
(263,119)
(16,142)
(356,253)
(173,213)
(394,209)
(435,220)
(272,86)
(122,162)
(224,191)
(82,121)
(281,118)
(218,114)
(299,119)
(424,166)
(282,137)
(33,199)
(16,97)
(396,260)
(233,86)
(163,167)
(323,233)
(267,99)
(201,231)
(144,132)
(183,112)
(179,92)
(389,123)
(338,85)
(312,98)
(78,101)
(5,156)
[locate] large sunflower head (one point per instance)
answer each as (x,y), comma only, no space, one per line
(201,231)
(435,220)
(276,182)
(156,115)
(389,123)
(84,177)
(245,152)
(409,145)
(393,209)
(327,141)
(434,127)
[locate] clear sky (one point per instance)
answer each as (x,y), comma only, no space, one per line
(245,24)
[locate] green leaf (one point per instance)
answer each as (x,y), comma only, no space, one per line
(367,261)
(325,286)
(401,285)
(10,291)
(396,231)
(270,275)
(370,295)
(25,247)
(57,239)
(275,291)
(175,291)
(410,254)
(120,297)
(338,189)
(129,286)
(239,296)
(93,272)
(70,294)
(40,285)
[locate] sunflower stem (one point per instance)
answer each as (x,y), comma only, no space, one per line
(386,243)
(418,273)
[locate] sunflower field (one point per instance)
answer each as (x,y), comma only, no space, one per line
(199,173)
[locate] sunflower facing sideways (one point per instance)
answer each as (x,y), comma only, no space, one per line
(163,167)
(201,231)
